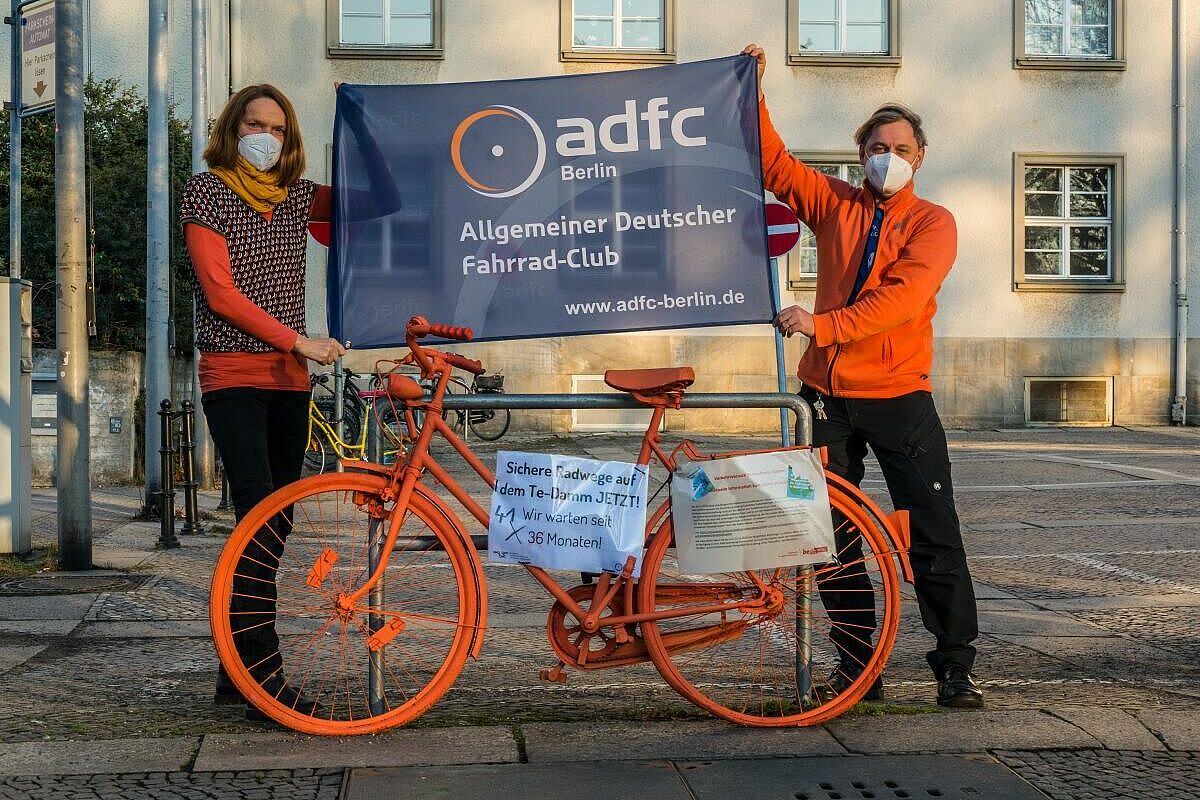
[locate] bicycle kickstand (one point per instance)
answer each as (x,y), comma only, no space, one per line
(555,674)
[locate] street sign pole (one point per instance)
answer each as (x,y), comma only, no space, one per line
(205,472)
(72,474)
(158,297)
(783,232)
(15,462)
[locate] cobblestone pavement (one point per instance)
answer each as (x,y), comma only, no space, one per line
(1083,545)
(1108,775)
(300,784)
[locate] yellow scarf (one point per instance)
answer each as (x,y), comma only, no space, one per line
(256,187)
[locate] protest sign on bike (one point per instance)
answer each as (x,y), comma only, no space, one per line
(752,512)
(560,512)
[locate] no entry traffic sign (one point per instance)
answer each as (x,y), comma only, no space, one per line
(783,229)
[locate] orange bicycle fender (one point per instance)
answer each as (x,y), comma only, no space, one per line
(899,524)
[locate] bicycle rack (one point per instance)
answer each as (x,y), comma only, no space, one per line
(781,400)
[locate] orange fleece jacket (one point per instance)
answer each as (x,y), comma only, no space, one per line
(881,345)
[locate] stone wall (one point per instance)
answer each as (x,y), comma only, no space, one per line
(115,381)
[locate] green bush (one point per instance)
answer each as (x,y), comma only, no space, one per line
(115,118)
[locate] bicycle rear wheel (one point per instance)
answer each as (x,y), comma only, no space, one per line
(489,424)
(770,664)
(304,656)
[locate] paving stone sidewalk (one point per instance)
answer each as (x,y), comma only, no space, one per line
(1083,545)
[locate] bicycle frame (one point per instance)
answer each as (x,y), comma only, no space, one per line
(341,447)
(405,474)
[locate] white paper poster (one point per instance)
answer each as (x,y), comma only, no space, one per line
(751,512)
(561,512)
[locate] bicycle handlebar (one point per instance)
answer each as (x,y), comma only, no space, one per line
(466,364)
(419,327)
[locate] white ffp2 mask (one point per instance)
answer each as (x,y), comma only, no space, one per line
(262,150)
(888,173)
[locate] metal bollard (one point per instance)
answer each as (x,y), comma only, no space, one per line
(166,506)
(187,447)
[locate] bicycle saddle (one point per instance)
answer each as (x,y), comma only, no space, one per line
(650,381)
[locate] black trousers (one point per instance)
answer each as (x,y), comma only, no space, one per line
(260,435)
(907,438)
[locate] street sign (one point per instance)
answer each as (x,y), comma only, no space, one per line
(783,229)
(37,57)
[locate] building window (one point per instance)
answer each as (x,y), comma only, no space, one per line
(801,262)
(385,28)
(841,32)
(1069,231)
(1069,34)
(618,30)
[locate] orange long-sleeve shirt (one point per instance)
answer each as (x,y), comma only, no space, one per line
(882,344)
(281,369)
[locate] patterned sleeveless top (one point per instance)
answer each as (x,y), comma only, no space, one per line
(267,257)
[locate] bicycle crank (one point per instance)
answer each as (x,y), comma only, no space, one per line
(606,647)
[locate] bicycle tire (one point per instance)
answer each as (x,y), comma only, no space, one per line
(745,668)
(489,424)
(319,455)
(431,594)
(458,421)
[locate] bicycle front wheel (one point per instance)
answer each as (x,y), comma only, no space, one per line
(489,424)
(309,658)
(774,662)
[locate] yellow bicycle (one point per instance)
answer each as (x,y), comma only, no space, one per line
(326,447)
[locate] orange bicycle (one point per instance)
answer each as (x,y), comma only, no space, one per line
(379,596)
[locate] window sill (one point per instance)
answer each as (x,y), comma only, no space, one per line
(629,56)
(367,51)
(1084,64)
(843,60)
(1061,285)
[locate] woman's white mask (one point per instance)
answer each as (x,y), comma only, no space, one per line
(888,173)
(260,149)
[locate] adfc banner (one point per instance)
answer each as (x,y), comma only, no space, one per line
(550,206)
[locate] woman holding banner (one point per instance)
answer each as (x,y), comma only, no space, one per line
(245,222)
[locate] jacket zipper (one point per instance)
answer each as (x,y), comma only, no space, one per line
(837,348)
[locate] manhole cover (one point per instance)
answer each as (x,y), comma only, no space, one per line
(72,584)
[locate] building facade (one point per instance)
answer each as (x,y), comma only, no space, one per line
(1052,141)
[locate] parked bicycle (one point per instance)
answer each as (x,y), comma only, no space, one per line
(489,424)
(325,446)
(382,595)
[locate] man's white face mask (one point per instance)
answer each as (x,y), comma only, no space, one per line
(260,149)
(888,173)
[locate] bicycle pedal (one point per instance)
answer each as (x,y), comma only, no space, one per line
(555,674)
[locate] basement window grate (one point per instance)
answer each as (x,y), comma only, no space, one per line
(1074,401)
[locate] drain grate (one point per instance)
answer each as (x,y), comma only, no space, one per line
(913,777)
(72,584)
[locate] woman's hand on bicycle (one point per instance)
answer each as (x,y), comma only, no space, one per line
(322,351)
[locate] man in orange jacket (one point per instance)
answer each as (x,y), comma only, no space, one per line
(882,254)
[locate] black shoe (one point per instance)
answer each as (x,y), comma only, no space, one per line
(957,688)
(840,680)
(226,693)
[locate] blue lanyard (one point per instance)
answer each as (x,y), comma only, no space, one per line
(868,257)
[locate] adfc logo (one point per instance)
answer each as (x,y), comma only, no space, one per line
(509,172)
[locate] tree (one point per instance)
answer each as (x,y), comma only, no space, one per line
(115,119)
